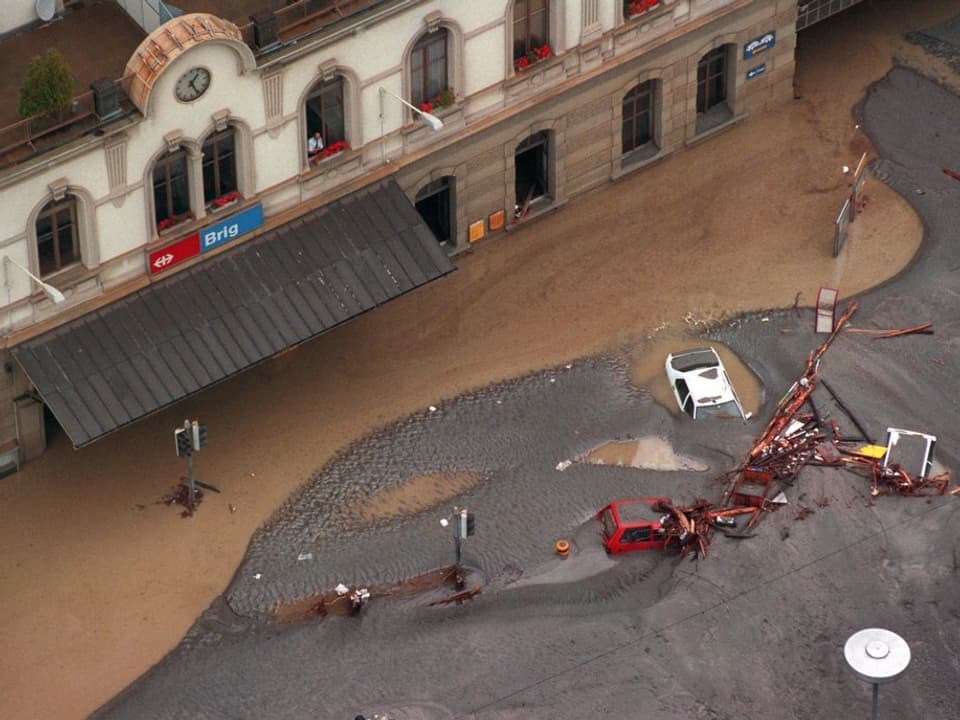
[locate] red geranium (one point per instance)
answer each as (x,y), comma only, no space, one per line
(334,149)
(226,199)
(534,55)
(641,6)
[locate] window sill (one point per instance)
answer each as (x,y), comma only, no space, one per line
(177,227)
(213,208)
(318,166)
(647,15)
(537,69)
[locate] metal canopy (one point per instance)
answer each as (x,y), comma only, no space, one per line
(157,346)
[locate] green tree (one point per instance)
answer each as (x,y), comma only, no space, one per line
(48,85)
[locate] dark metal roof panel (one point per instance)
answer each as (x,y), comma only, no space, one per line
(199,327)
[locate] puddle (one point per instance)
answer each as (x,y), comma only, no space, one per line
(647,371)
(646,453)
(420,493)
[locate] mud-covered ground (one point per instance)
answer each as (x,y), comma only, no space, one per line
(755,630)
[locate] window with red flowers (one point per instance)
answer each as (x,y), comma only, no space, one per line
(531,27)
(429,67)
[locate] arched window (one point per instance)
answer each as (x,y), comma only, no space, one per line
(171,189)
(712,79)
(638,118)
(429,63)
(531,26)
(220,168)
(58,242)
(325,116)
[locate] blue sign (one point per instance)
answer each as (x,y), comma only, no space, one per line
(759,45)
(756,71)
(230,229)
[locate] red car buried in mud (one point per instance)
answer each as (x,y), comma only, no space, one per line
(633,525)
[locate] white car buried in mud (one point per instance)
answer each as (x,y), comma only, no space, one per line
(701,386)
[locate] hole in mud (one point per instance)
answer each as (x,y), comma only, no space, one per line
(418,494)
(647,371)
(646,453)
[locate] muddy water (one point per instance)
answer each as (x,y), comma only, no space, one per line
(412,496)
(647,369)
(648,453)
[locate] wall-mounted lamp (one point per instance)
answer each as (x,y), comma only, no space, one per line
(432,120)
(54,295)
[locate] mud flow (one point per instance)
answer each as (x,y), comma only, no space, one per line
(645,453)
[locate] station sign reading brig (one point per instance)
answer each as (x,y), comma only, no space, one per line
(213,236)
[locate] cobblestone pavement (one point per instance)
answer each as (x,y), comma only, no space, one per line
(754,630)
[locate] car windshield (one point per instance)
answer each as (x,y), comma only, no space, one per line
(726,409)
(694,360)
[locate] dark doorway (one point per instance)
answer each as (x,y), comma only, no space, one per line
(435,205)
(51,426)
(531,162)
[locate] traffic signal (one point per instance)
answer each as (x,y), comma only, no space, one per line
(183,440)
(199,435)
(471,524)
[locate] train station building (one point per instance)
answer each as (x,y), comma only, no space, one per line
(227,184)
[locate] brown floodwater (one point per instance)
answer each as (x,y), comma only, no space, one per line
(647,453)
(647,369)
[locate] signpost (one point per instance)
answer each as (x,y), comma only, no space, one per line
(231,228)
(759,44)
(174,254)
(212,236)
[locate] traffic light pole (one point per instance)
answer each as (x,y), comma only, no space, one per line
(190,478)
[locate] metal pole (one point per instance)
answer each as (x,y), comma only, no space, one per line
(190,480)
(876,692)
(459,545)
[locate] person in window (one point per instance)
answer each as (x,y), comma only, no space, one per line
(314,145)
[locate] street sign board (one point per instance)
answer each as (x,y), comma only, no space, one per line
(759,44)
(231,228)
(175,253)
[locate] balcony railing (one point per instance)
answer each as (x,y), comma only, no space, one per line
(303,17)
(32,136)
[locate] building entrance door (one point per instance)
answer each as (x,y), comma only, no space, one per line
(531,163)
(435,204)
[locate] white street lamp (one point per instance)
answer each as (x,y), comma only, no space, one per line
(54,295)
(877,656)
(432,120)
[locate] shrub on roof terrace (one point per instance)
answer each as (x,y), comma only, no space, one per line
(48,86)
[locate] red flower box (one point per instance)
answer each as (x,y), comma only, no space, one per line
(227,199)
(332,149)
(535,55)
(638,7)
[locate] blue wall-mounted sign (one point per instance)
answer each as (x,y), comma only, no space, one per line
(759,45)
(230,229)
(756,71)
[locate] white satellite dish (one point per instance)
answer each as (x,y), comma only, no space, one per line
(46,9)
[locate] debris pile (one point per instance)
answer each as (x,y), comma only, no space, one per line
(180,495)
(793,439)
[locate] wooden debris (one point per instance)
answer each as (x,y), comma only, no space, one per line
(180,495)
(458,598)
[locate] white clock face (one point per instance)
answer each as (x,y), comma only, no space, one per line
(192,84)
